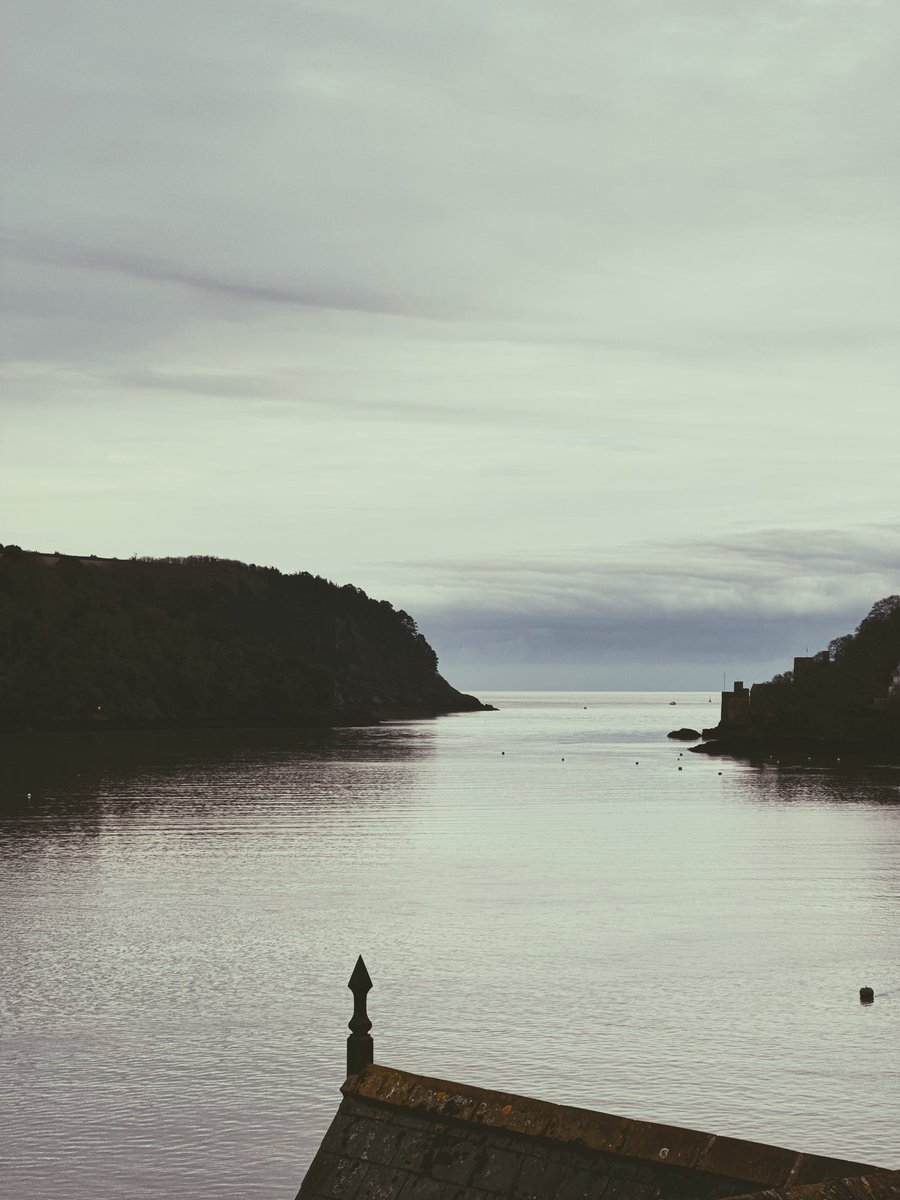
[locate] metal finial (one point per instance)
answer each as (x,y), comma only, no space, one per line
(360,1047)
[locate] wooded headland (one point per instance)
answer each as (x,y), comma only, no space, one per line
(87,641)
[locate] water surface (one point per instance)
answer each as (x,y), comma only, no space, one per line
(545,902)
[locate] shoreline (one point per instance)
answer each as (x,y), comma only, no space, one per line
(755,748)
(352,719)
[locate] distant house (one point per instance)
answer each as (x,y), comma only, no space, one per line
(894,688)
(407,1136)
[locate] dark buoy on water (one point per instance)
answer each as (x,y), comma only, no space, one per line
(866,995)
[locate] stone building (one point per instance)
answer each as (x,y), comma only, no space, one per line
(735,705)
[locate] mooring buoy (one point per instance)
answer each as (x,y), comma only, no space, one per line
(866,995)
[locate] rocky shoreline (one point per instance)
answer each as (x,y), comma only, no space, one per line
(334,720)
(800,749)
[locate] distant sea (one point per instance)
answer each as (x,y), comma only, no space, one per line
(552,899)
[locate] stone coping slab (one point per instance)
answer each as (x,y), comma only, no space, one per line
(879,1185)
(665,1145)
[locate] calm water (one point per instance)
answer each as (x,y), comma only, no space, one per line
(181,912)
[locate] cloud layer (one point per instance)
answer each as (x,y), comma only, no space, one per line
(570,301)
(683,612)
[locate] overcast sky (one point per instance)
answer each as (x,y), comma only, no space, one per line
(570,327)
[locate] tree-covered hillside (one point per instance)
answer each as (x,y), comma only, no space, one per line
(202,641)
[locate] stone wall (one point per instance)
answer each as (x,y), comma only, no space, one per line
(407,1136)
(880,1185)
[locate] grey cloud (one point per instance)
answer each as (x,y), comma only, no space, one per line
(396,156)
(769,566)
(601,640)
(284,394)
(757,598)
(143,268)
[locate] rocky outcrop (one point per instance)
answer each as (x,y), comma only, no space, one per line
(685,734)
(145,642)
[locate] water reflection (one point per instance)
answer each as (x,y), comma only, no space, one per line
(76,781)
(783,781)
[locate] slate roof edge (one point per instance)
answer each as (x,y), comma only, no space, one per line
(756,1162)
(860,1187)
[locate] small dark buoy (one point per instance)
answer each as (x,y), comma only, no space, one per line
(636,763)
(720,772)
(866,995)
(681,768)
(562,760)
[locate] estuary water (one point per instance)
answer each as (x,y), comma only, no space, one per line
(552,899)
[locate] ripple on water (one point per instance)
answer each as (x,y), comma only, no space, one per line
(181,913)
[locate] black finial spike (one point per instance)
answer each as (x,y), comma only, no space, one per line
(360,1047)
